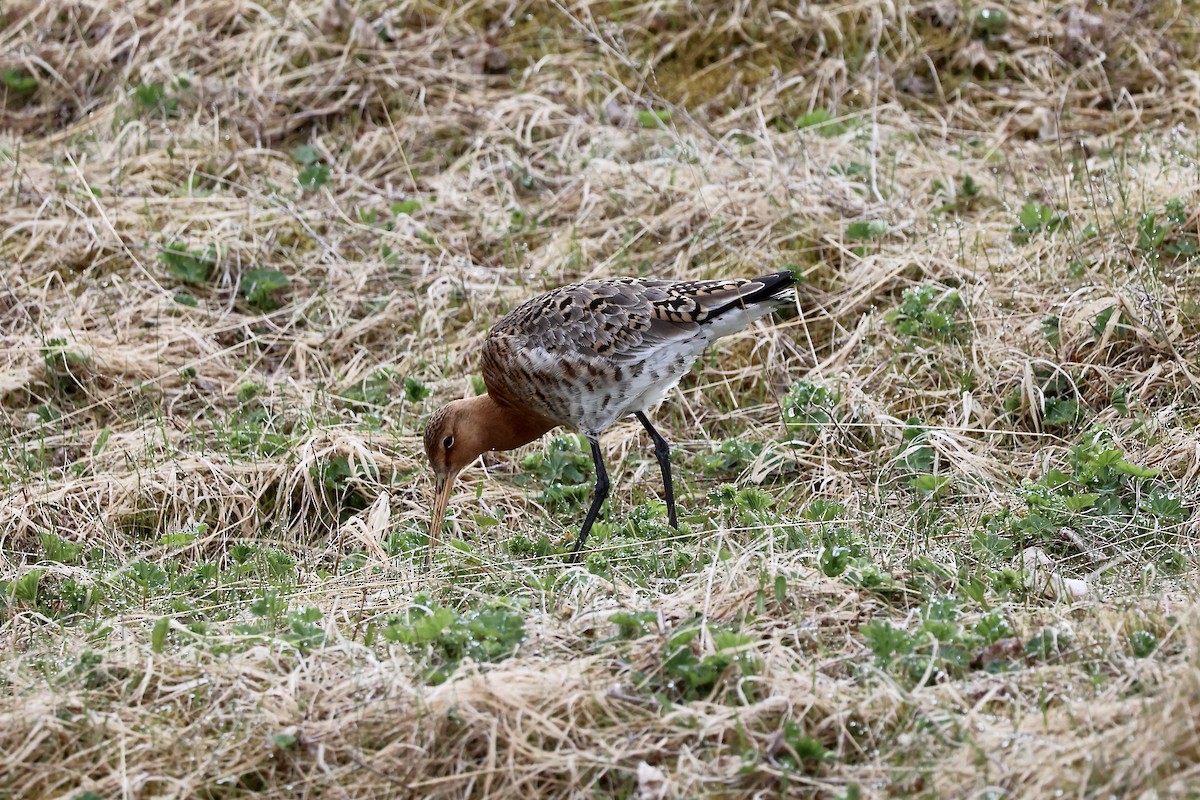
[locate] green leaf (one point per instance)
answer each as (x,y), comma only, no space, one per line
(823,122)
(285,741)
(259,284)
(1143,643)
(868,230)
(654,118)
(186,265)
(1176,211)
(800,752)
(185,537)
(633,624)
(18,81)
(414,390)
(153,97)
(1165,505)
(101,441)
(1062,411)
(1134,470)
(1033,215)
(405,207)
(885,640)
(1080,502)
(933,485)
(314,176)
(990,21)
(1150,233)
(305,154)
(1051,330)
(158,636)
(25,588)
(834,560)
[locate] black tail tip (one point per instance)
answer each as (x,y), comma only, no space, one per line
(776,283)
(785,277)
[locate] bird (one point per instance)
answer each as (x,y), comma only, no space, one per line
(583,356)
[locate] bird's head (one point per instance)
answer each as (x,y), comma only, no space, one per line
(454,437)
(461,431)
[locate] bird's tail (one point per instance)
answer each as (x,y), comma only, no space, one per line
(775,287)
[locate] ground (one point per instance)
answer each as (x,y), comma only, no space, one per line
(938,529)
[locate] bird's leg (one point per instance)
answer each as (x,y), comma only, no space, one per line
(662,451)
(597,501)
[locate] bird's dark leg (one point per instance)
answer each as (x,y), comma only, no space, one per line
(662,451)
(597,501)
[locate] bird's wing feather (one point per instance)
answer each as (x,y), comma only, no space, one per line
(592,327)
(621,318)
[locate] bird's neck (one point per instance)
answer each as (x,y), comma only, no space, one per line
(504,427)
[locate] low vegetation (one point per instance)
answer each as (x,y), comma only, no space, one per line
(938,533)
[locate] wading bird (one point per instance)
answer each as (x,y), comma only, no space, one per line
(584,356)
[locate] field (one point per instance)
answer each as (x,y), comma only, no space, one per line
(938,529)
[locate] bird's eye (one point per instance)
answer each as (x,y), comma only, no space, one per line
(448,442)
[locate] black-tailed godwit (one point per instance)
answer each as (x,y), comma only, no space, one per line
(584,356)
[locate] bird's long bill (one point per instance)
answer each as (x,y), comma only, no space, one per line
(443,485)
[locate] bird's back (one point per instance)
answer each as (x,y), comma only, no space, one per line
(587,354)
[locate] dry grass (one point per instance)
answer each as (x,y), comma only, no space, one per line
(477,153)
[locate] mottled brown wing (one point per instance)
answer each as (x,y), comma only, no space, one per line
(616,318)
(586,333)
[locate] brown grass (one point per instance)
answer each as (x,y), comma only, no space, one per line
(526,132)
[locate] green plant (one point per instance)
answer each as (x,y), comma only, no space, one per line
(1142,643)
(744,507)
(823,121)
(730,458)
(562,470)
(866,230)
(928,313)
(633,624)
(341,481)
(414,390)
(1035,219)
(989,22)
(260,285)
(153,98)
(313,174)
(1167,236)
(446,637)
(18,81)
(1047,644)
(189,266)
(1059,395)
(1100,496)
(55,548)
(808,407)
(799,752)
(688,675)
(406,207)
(938,647)
(313,177)
(654,117)
(375,390)
(915,454)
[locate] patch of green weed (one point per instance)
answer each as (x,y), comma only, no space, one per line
(929,313)
(1101,497)
(444,637)
(1035,219)
(190,266)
